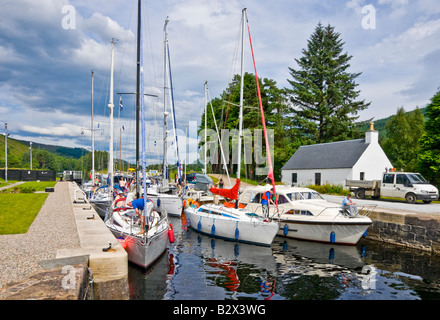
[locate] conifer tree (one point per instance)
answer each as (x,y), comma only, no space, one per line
(429,163)
(323,93)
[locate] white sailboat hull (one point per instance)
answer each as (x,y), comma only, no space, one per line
(101,206)
(252,230)
(142,249)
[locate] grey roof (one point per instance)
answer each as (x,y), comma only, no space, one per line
(342,154)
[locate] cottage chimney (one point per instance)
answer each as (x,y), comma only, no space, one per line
(372,136)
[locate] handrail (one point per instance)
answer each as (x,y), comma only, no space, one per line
(368,211)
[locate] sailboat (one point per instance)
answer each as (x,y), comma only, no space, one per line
(163,201)
(102,198)
(143,246)
(232,223)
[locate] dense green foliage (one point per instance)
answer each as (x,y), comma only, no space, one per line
(323,92)
(429,163)
(277,116)
(403,133)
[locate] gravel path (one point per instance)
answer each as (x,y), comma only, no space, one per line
(54,228)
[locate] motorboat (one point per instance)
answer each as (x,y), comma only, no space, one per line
(303,214)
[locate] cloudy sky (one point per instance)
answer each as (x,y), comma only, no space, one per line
(48,49)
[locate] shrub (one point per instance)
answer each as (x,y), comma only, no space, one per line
(330,189)
(27,190)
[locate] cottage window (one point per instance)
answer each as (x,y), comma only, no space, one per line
(318,178)
(294,178)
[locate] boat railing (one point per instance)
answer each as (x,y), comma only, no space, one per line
(259,212)
(338,208)
(365,210)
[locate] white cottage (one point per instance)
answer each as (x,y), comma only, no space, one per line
(332,163)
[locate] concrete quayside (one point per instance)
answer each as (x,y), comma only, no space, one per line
(85,272)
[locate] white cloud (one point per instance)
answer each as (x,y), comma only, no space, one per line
(66,130)
(394,3)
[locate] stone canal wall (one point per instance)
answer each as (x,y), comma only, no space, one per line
(413,230)
(65,270)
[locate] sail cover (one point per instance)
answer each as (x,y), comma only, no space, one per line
(228,193)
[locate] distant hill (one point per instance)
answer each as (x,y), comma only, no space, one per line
(379,125)
(15,148)
(67,152)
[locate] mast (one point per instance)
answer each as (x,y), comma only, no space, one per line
(165,113)
(142,118)
(240,125)
(111,105)
(138,96)
(93,138)
(206,119)
(173,116)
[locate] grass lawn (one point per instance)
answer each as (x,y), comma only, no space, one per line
(38,186)
(4,184)
(18,211)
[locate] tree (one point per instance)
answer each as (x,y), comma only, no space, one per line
(404,131)
(429,157)
(323,92)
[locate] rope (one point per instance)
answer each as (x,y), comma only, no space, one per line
(269,159)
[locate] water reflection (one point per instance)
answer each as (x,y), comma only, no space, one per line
(198,267)
(216,269)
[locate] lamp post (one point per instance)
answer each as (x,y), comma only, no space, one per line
(30,148)
(6,151)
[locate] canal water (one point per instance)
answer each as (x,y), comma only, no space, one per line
(197,267)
